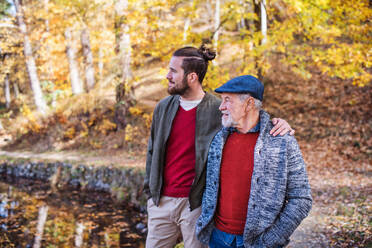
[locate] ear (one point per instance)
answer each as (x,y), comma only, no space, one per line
(192,77)
(249,104)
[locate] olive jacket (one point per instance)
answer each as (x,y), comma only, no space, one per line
(208,122)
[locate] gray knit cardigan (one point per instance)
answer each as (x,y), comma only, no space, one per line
(280,196)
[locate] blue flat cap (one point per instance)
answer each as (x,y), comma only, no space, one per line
(243,84)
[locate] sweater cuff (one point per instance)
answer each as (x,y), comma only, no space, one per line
(270,239)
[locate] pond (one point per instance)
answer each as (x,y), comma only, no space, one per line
(32,215)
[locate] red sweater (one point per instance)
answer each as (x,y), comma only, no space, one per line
(235,182)
(179,170)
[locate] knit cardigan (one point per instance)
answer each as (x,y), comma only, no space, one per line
(280,196)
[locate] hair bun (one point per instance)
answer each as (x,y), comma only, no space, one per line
(207,53)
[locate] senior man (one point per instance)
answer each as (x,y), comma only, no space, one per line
(257,191)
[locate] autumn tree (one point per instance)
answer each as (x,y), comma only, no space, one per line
(124,51)
(30,61)
(88,56)
(76,83)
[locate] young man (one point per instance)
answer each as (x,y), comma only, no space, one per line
(183,126)
(257,191)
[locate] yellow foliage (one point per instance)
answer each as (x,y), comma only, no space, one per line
(148,119)
(135,111)
(32,123)
(92,120)
(95,144)
(215,77)
(105,126)
(85,127)
(70,133)
(131,132)
(362,80)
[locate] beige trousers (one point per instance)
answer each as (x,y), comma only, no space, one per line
(170,219)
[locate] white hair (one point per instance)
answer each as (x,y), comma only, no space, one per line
(245,96)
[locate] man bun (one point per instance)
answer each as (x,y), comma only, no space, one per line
(195,60)
(207,53)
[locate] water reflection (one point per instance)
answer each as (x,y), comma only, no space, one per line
(43,214)
(31,215)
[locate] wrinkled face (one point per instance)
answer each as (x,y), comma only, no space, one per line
(177,80)
(232,109)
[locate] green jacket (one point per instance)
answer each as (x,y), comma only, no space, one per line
(208,122)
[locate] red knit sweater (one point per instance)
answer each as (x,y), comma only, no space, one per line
(235,182)
(179,170)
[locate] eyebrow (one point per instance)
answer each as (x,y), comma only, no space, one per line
(172,69)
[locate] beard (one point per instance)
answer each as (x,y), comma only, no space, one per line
(227,120)
(179,89)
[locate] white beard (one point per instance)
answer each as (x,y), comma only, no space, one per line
(227,121)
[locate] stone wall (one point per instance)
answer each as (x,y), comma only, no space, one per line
(124,184)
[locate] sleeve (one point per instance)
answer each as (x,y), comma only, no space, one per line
(298,199)
(146,188)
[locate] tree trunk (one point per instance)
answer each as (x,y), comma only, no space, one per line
(76,85)
(7,91)
(16,90)
(125,54)
(123,48)
(30,61)
(263,21)
(250,24)
(123,39)
(258,11)
(209,8)
(187,23)
(186,28)
(47,48)
(87,52)
(100,63)
(123,102)
(46,8)
(241,23)
(217,23)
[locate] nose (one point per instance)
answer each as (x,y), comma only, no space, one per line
(169,76)
(222,106)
